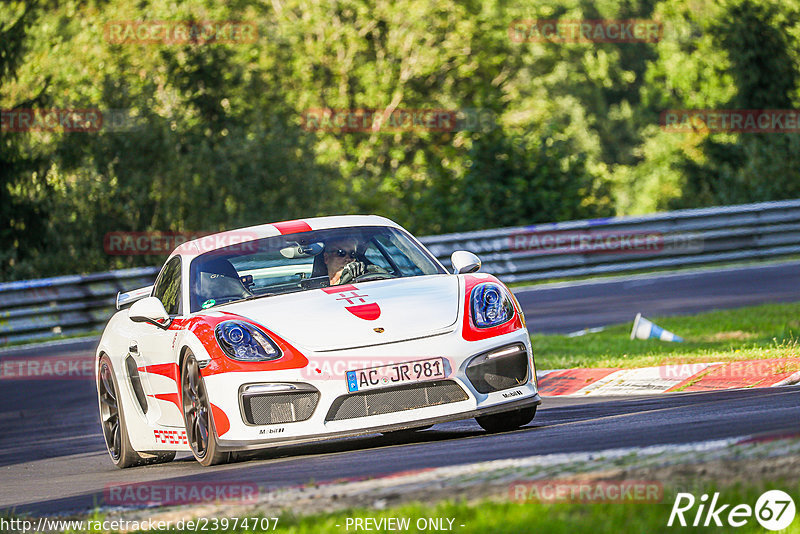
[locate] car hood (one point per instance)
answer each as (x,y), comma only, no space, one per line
(357,315)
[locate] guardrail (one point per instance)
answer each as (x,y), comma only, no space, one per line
(31,310)
(39,309)
(595,246)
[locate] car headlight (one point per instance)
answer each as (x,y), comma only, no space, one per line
(244,342)
(491,305)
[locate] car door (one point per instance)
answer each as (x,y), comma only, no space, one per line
(153,349)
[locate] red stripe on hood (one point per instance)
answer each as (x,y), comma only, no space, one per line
(292,227)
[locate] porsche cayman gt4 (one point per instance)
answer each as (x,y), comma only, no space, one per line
(305,330)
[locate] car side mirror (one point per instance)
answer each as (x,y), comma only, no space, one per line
(464,262)
(149,310)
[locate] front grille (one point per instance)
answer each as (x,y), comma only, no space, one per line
(490,374)
(396,399)
(273,409)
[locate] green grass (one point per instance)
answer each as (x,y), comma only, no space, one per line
(517,517)
(758,332)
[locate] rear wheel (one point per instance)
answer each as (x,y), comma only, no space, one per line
(112,419)
(502,422)
(200,429)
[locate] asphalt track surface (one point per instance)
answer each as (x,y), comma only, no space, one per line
(53,460)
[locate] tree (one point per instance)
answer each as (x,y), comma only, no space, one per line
(514,181)
(752,167)
(22,167)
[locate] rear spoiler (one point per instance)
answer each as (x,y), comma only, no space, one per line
(123,299)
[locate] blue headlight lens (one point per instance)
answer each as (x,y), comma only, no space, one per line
(245,343)
(491,305)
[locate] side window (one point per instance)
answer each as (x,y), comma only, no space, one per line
(168,286)
(404,263)
(375,257)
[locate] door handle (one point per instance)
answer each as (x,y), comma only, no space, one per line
(134,348)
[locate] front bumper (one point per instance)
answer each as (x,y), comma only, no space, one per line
(326,373)
(230,445)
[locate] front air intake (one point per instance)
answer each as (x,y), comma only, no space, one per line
(395,399)
(273,404)
(499,369)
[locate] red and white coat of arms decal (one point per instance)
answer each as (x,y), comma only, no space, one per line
(356,301)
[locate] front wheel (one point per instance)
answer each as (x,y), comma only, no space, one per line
(505,421)
(200,430)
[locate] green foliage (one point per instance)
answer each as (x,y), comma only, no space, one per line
(23,192)
(759,40)
(527,179)
(213,136)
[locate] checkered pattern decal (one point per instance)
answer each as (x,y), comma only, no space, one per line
(171,437)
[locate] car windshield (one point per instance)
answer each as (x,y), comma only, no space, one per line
(303,261)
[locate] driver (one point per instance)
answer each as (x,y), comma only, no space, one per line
(341,260)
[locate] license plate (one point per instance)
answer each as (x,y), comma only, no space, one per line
(395,373)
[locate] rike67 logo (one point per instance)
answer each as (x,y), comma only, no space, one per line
(774,510)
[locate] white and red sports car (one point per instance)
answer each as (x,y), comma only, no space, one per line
(305,330)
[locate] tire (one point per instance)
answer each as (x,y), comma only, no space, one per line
(404,431)
(112,421)
(197,416)
(505,421)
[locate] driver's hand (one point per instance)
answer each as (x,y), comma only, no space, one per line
(351,271)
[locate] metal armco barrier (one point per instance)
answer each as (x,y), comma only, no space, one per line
(620,244)
(64,305)
(40,309)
